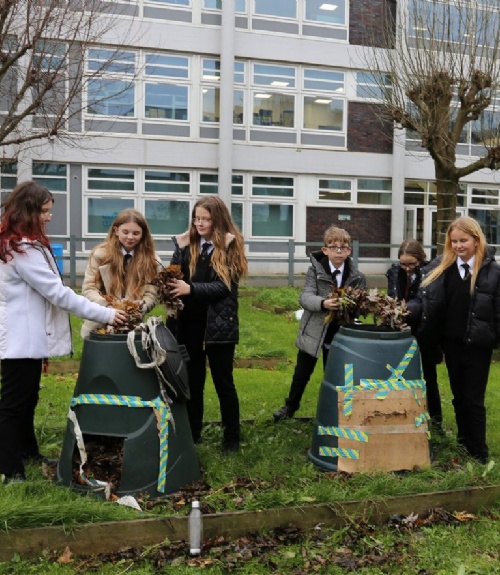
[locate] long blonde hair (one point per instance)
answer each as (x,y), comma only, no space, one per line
(228,260)
(468,226)
(142,268)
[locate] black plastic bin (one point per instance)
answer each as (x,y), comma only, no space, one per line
(372,409)
(109,400)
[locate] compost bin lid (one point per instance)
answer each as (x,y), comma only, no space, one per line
(372,331)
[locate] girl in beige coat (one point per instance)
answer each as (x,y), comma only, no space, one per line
(123,266)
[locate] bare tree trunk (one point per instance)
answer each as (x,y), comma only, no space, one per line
(447,187)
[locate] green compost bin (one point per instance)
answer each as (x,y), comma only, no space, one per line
(372,410)
(113,398)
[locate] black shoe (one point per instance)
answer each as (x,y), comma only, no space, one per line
(283,413)
(230,446)
(38,459)
(14,478)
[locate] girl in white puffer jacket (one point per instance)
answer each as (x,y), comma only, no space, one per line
(34,319)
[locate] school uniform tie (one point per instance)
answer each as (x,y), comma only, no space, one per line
(205,249)
(466,271)
(126,260)
(334,277)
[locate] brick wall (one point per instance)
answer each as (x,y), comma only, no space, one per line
(367,131)
(369,20)
(366,225)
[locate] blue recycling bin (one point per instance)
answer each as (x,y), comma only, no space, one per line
(57,250)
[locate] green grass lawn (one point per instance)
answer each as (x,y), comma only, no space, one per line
(273,460)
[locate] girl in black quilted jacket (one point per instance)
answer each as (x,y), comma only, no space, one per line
(403,282)
(459,307)
(212,259)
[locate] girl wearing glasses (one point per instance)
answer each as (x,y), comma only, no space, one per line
(403,282)
(212,259)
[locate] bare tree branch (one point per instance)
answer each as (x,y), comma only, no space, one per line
(43,44)
(445,73)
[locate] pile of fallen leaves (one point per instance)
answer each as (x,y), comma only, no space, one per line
(353,303)
(172,304)
(134,315)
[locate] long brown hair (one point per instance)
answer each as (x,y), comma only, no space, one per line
(228,259)
(471,227)
(144,265)
(21,218)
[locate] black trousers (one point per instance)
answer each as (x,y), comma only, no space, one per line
(304,368)
(220,360)
(429,368)
(18,401)
(468,370)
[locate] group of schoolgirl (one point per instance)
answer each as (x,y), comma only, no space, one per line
(35,307)
(454,303)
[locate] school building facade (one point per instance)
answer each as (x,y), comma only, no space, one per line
(265,102)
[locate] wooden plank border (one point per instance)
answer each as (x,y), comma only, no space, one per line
(111,536)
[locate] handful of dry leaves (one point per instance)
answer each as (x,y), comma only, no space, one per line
(134,312)
(172,272)
(354,302)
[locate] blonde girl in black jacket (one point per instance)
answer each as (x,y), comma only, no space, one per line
(459,307)
(212,259)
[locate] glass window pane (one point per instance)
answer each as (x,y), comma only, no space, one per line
(371,85)
(52,176)
(8,176)
(490,224)
(239,72)
(167,182)
(209,184)
(237,214)
(483,196)
(271,109)
(9,88)
(211,69)
(283,8)
(112,61)
(486,129)
(272,186)
(272,220)
(103,211)
(111,179)
(335,190)
(211,104)
(166,101)
(167,66)
(167,216)
(322,113)
(374,198)
(212,4)
(372,184)
(238,107)
(111,97)
(325,80)
(176,2)
(237,186)
(271,75)
(377,196)
(326,11)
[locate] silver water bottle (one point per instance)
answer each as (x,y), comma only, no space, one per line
(195,529)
